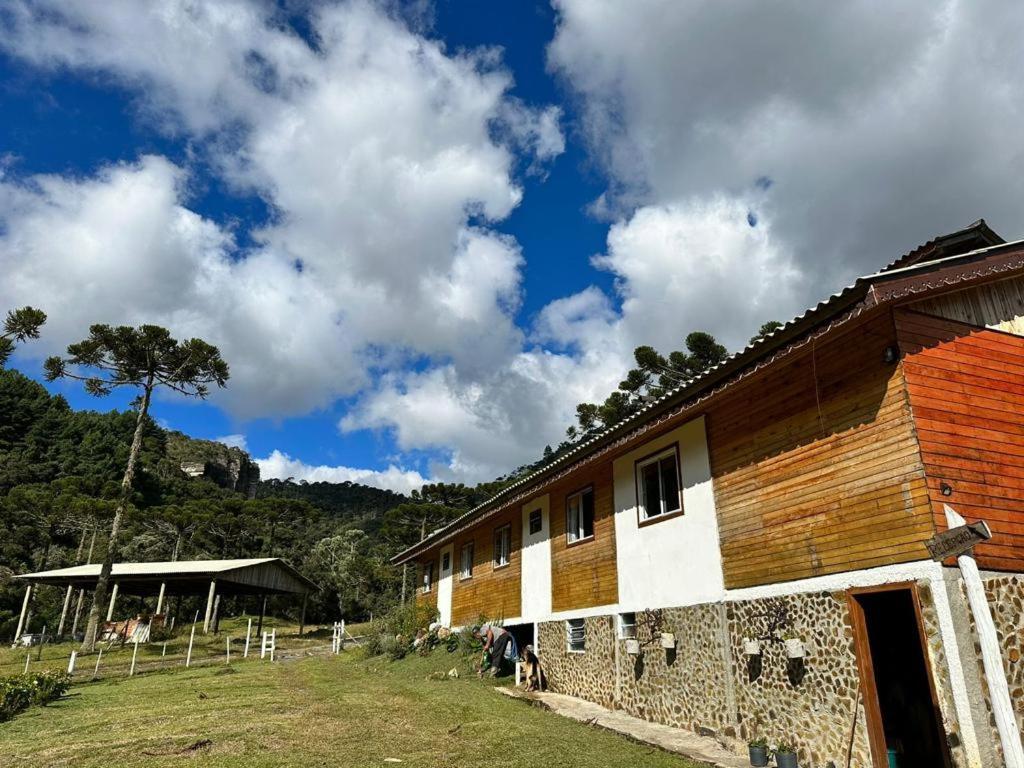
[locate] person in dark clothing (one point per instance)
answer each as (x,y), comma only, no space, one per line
(496,640)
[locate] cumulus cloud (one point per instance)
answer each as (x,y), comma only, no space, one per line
(282,466)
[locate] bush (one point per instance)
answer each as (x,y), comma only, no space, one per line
(21,691)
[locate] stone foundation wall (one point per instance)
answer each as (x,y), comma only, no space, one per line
(708,685)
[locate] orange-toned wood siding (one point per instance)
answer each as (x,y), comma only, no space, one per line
(584,574)
(427,598)
(491,592)
(966,387)
(816,466)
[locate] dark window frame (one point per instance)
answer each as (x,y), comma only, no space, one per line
(641,507)
(501,530)
(572,542)
(465,575)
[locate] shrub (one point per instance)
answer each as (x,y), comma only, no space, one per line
(21,691)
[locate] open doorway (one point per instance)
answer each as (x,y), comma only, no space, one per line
(904,722)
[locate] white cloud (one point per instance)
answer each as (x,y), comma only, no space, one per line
(233,441)
(282,466)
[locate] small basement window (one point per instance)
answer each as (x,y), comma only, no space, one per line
(502,546)
(576,635)
(466,565)
(657,482)
(428,577)
(579,516)
(627,626)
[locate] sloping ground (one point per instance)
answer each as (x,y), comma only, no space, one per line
(337,711)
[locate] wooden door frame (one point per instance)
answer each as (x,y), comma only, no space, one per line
(865,666)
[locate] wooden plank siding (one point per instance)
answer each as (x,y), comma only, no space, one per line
(815,464)
(583,574)
(966,387)
(492,592)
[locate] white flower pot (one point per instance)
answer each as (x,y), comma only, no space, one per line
(795,648)
(633,647)
(751,647)
(668,640)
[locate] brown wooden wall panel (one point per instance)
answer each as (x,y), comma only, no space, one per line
(491,592)
(584,574)
(966,387)
(816,467)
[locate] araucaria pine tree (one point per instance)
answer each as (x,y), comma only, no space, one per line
(20,325)
(144,359)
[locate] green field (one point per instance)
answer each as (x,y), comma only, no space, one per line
(314,711)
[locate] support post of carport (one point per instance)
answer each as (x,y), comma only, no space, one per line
(209,606)
(24,611)
(113,599)
(302,618)
(263,611)
(64,612)
(160,598)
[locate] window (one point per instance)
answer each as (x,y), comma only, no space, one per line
(536,522)
(466,566)
(446,563)
(579,516)
(502,546)
(428,577)
(657,481)
(627,626)
(576,635)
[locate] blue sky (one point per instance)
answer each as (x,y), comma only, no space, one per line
(491,203)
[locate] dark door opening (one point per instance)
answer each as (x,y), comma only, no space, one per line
(904,722)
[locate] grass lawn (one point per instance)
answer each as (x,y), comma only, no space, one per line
(318,711)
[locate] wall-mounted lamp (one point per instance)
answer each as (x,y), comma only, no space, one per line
(947,489)
(891,354)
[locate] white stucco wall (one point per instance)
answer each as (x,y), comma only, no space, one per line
(444,586)
(536,562)
(677,561)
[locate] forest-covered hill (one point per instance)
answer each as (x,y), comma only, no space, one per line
(59,475)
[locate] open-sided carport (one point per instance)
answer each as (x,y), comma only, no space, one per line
(256,576)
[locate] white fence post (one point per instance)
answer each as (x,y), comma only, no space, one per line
(248,634)
(191,637)
(228,661)
(135,652)
(71,662)
(28,658)
(273,642)
(263,646)
(96,669)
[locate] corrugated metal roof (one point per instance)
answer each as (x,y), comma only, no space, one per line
(757,350)
(176,568)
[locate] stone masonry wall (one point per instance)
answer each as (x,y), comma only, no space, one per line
(708,685)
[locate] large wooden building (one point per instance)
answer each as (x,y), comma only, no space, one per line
(789,492)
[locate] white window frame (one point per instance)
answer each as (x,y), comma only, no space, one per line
(643,513)
(579,628)
(505,532)
(466,569)
(627,626)
(428,577)
(574,533)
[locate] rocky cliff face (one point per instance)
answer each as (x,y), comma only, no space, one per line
(228,467)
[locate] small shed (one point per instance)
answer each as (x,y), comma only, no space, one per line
(253,576)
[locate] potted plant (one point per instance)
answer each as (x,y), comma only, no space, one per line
(758,750)
(785,755)
(794,645)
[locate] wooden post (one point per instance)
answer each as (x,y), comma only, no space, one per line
(24,611)
(71,662)
(135,652)
(42,641)
(248,634)
(341,636)
(209,606)
(113,599)
(263,646)
(228,654)
(991,654)
(64,612)
(96,669)
(215,623)
(302,618)
(273,642)
(28,658)
(263,611)
(191,638)
(164,651)
(160,598)
(78,611)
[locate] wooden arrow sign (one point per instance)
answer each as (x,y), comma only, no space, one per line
(957,541)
